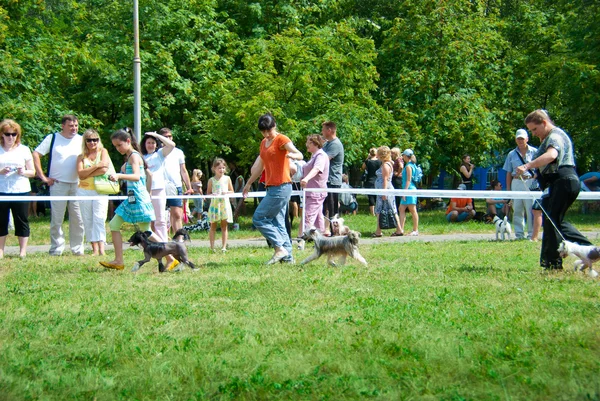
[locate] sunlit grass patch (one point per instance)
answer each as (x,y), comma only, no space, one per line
(454,320)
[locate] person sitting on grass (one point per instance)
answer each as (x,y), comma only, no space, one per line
(460,209)
(590,182)
(497,206)
(348,202)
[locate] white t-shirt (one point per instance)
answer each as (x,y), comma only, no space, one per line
(13,183)
(173,164)
(64,157)
(156,164)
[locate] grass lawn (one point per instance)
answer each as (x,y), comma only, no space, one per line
(430,321)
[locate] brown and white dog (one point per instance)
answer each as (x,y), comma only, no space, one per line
(587,255)
(342,246)
(338,227)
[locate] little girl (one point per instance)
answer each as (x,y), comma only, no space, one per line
(196,182)
(220,208)
(137,209)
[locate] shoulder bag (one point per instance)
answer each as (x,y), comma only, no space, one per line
(387,216)
(536,185)
(103,185)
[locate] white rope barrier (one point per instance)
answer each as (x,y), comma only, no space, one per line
(421,193)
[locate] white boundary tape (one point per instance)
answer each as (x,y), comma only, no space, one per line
(421,193)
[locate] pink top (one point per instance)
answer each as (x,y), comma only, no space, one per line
(320,160)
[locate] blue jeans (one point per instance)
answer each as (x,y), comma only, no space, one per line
(269,217)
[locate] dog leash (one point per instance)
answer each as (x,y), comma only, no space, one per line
(541,207)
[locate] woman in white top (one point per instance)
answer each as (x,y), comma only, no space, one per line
(155,149)
(16,167)
(92,162)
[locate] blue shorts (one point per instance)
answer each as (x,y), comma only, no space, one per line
(348,208)
(461,217)
(176,202)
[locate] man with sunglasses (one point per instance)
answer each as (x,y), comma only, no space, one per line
(62,148)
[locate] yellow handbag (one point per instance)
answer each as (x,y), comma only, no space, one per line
(103,185)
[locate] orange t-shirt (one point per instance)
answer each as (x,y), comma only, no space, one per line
(460,202)
(277,166)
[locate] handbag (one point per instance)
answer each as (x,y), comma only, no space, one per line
(387,217)
(103,185)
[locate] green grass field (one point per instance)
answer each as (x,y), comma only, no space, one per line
(429,321)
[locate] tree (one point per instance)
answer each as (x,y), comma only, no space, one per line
(442,65)
(305,77)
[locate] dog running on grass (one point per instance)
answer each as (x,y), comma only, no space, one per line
(342,246)
(338,227)
(158,250)
(587,255)
(502,228)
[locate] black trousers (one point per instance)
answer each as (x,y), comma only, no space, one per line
(562,193)
(331,205)
(20,212)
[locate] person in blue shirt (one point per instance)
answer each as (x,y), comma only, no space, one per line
(590,182)
(523,209)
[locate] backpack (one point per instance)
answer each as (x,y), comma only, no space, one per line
(417,175)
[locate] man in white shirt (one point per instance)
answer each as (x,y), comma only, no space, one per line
(62,180)
(177,174)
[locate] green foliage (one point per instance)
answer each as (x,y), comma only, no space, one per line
(444,78)
(447,71)
(304,77)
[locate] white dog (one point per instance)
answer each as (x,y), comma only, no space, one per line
(338,226)
(587,255)
(502,227)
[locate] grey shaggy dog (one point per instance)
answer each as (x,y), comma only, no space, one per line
(342,246)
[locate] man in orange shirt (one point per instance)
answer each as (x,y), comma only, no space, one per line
(460,209)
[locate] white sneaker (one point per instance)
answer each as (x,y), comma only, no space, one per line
(414,234)
(278,256)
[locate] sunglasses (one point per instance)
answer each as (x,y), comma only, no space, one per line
(13,134)
(92,140)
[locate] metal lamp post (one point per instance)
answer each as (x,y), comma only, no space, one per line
(137,92)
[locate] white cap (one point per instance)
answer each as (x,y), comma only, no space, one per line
(462,187)
(521,133)
(408,153)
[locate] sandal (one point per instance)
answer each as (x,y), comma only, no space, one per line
(376,235)
(109,265)
(395,234)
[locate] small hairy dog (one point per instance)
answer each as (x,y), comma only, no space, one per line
(587,255)
(158,250)
(502,228)
(342,246)
(181,235)
(338,227)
